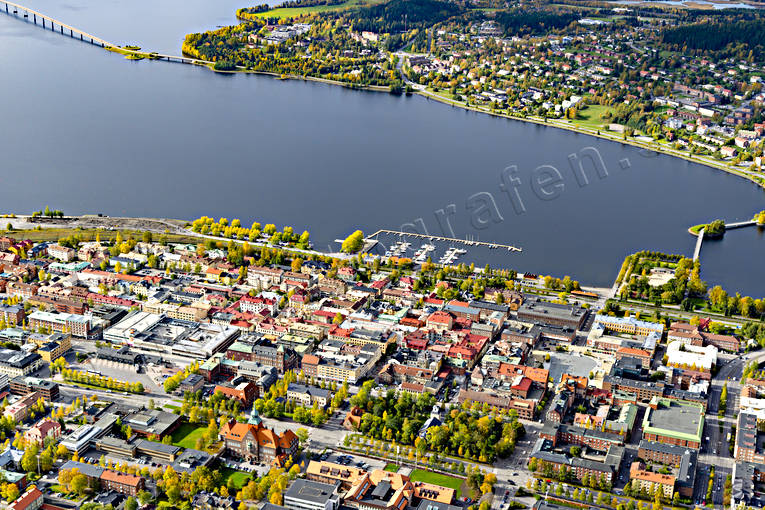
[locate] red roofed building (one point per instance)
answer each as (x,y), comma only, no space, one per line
(694,335)
(411,322)
(113,276)
(9,258)
(630,352)
(521,387)
(353,418)
(440,321)
(253,441)
(325,316)
(346,273)
(466,352)
(509,371)
(111,300)
(43,430)
(32,499)
(575,384)
(417,340)
(246,392)
(381,284)
(126,484)
(310,365)
(256,304)
(431,301)
(338,333)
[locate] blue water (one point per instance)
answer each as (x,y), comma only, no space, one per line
(86,131)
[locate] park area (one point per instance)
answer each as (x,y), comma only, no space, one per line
(187,434)
(240,478)
(591,116)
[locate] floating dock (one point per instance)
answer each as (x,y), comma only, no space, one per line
(466,242)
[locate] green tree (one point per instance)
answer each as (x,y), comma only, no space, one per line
(353,243)
(79,483)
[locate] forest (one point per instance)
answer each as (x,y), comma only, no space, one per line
(743,37)
(469,432)
(402,15)
(525,22)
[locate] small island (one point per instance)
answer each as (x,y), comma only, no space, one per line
(715,229)
(711,230)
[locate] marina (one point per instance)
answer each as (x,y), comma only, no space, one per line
(467,242)
(451,255)
(439,249)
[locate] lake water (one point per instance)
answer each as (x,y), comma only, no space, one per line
(694,3)
(729,261)
(86,131)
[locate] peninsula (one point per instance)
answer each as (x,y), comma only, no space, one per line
(683,82)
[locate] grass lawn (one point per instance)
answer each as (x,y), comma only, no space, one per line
(452,482)
(590,116)
(239,477)
(288,12)
(390,467)
(187,434)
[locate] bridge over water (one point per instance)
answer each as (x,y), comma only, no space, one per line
(728,226)
(45,21)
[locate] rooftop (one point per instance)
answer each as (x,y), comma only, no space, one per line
(678,419)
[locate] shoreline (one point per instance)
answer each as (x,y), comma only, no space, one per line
(598,134)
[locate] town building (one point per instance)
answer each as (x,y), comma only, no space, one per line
(42,431)
(47,389)
(255,442)
(543,312)
(32,499)
(312,495)
(153,333)
(629,325)
(19,410)
(244,391)
(18,363)
(750,442)
(674,422)
(308,395)
(127,484)
(650,482)
(76,325)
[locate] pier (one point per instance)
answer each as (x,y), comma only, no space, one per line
(429,237)
(46,22)
(731,226)
(699,240)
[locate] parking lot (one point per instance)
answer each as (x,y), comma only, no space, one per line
(94,455)
(570,363)
(346,459)
(257,470)
(120,372)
